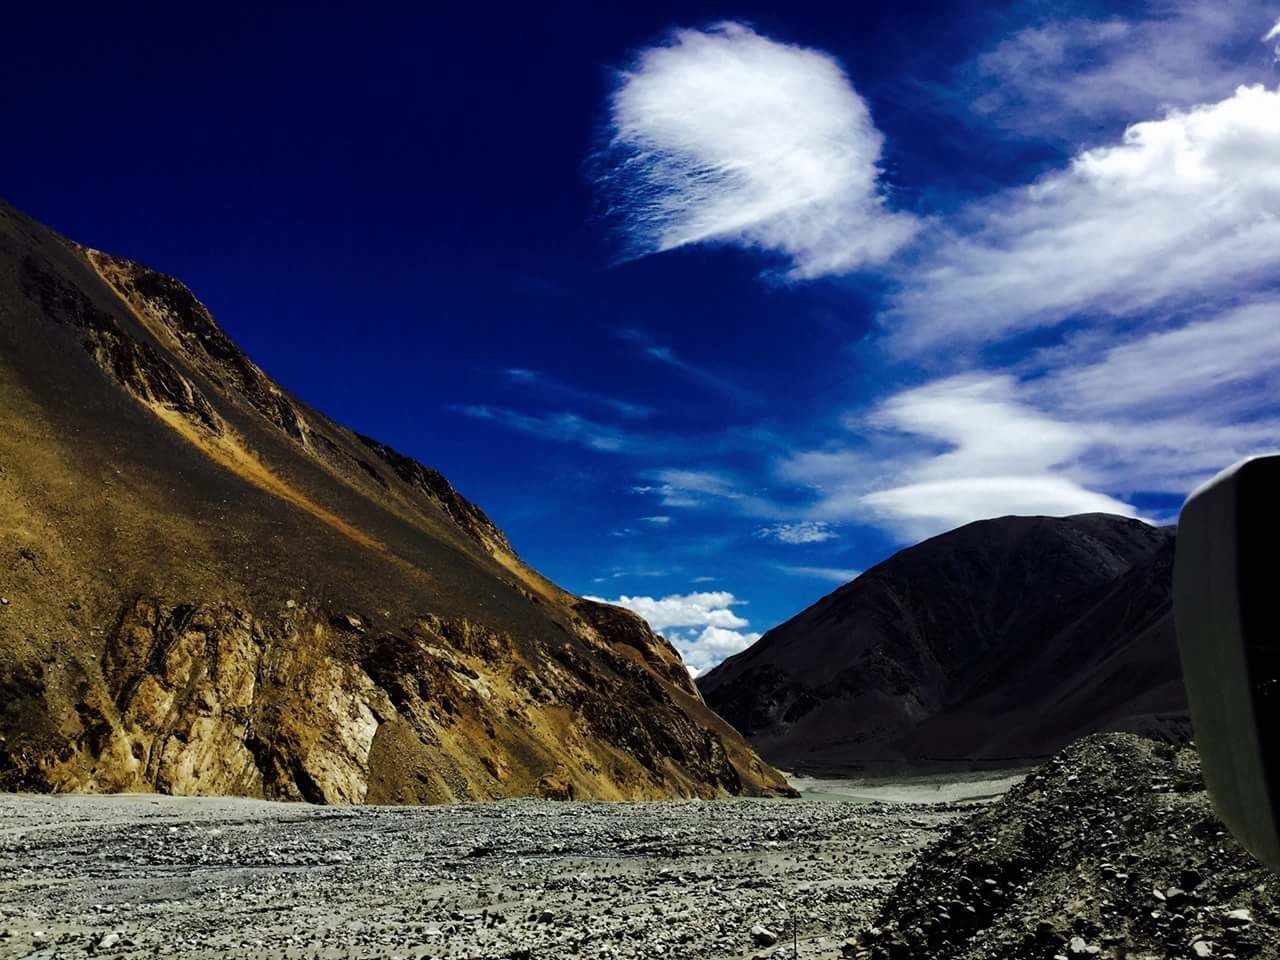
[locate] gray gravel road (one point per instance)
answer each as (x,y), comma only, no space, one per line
(143,875)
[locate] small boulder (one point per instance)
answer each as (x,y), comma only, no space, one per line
(762,936)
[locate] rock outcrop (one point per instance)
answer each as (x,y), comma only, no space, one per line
(996,643)
(210,588)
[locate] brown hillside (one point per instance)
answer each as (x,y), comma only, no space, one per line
(211,588)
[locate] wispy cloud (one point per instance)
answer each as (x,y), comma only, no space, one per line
(659,353)
(1067,78)
(690,488)
(726,136)
(1074,429)
(832,574)
(658,521)
(920,510)
(1168,407)
(806,531)
(1219,363)
(627,573)
(549,386)
(717,630)
(1184,206)
(1130,291)
(562,427)
(999,455)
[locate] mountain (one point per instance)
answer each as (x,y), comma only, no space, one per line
(208,587)
(1000,641)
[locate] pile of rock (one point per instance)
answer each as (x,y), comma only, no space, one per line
(1111,850)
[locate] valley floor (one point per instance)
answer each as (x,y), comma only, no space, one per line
(911,788)
(145,875)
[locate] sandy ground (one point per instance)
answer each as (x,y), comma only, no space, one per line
(145,875)
(922,788)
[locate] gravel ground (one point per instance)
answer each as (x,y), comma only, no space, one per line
(143,875)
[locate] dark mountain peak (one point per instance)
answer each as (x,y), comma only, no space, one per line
(1090,541)
(1015,608)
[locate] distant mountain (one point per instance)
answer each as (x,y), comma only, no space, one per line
(999,641)
(208,587)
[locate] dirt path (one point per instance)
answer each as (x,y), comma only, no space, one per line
(141,876)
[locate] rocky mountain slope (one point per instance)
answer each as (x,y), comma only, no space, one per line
(1111,850)
(1000,641)
(208,587)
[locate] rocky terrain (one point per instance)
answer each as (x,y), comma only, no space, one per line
(207,587)
(1111,850)
(146,876)
(996,643)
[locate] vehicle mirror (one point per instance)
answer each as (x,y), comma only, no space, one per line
(1227,612)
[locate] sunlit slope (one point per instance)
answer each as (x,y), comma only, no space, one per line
(213,588)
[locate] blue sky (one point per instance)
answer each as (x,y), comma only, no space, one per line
(709,305)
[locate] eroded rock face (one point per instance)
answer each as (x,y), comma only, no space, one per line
(211,700)
(135,364)
(216,589)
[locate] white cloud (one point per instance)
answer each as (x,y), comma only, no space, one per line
(1152,258)
(1157,258)
(1000,456)
(683,487)
(704,649)
(620,573)
(1272,34)
(980,417)
(1183,206)
(1069,78)
(655,351)
(657,521)
(723,135)
(834,574)
(806,531)
(1168,408)
(717,631)
(924,509)
(1198,367)
(541,382)
(1078,429)
(709,608)
(563,427)
(1174,455)
(695,482)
